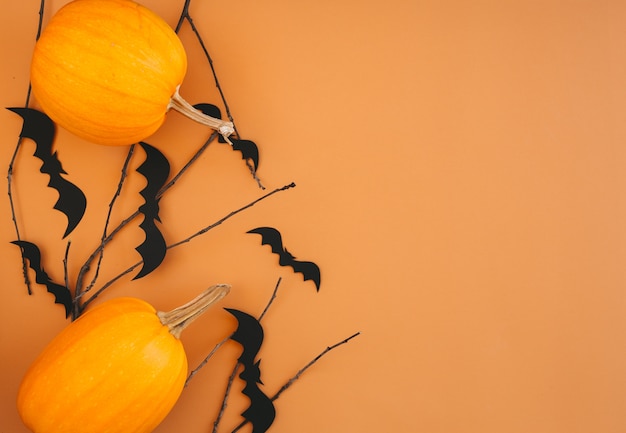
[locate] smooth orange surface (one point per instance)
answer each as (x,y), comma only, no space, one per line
(460,170)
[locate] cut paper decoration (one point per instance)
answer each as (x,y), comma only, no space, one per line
(272,237)
(249,334)
(209,110)
(41,129)
(156,170)
(248,149)
(61,293)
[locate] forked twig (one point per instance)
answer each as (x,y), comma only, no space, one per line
(183,15)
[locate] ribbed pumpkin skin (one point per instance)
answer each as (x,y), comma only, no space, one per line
(116,369)
(106,69)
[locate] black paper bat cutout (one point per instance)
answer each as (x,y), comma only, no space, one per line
(156,170)
(61,293)
(209,110)
(41,129)
(249,334)
(248,148)
(271,236)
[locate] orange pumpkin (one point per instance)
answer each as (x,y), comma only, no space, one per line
(109,70)
(119,368)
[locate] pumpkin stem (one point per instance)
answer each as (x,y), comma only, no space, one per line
(179,104)
(179,318)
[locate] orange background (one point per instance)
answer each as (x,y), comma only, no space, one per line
(461,181)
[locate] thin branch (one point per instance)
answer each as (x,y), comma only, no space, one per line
(231,214)
(231,380)
(65,264)
(87,265)
(206,359)
(42,5)
(198,233)
(193,159)
(272,298)
(300,372)
(108,284)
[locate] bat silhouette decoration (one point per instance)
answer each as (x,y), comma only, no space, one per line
(156,170)
(41,129)
(248,148)
(61,294)
(249,334)
(271,236)
(209,110)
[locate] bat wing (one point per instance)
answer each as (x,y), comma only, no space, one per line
(272,237)
(248,149)
(261,412)
(209,110)
(41,129)
(61,293)
(152,250)
(249,334)
(156,170)
(309,270)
